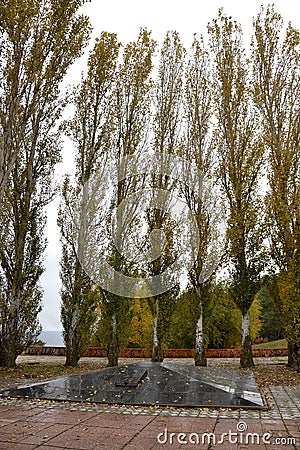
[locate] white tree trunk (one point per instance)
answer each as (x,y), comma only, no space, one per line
(245,326)
(114,325)
(155,338)
(156,356)
(199,331)
(246,360)
(200,359)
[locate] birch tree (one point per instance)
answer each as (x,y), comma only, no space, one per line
(276,62)
(91,131)
(240,163)
(38,41)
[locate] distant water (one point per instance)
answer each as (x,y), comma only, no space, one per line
(52,338)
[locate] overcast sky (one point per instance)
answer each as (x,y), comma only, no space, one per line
(126,17)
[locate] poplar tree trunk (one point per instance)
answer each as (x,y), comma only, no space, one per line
(8,354)
(246,360)
(11,348)
(10,327)
(200,358)
(294,356)
(71,341)
(113,351)
(157,354)
(72,356)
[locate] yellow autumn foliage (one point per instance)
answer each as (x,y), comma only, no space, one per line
(141,325)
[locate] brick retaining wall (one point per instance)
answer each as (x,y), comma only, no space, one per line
(170,353)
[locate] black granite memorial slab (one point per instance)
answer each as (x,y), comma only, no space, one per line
(130,376)
(146,383)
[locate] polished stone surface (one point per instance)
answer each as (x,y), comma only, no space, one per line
(146,383)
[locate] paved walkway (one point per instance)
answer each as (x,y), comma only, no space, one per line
(27,425)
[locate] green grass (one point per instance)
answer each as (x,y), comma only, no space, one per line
(281,343)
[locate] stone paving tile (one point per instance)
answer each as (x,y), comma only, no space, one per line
(230,424)
(43,436)
(142,442)
(286,400)
(176,446)
(86,438)
(118,421)
(294,426)
(62,416)
(225,446)
(270,415)
(111,446)
(188,414)
(146,446)
(48,447)
(16,446)
(257,446)
(4,422)
(175,425)
(170,413)
(22,430)
(274,428)
(234,414)
(14,412)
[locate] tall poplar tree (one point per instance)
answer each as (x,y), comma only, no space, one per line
(131,116)
(240,153)
(168,95)
(203,200)
(22,244)
(276,62)
(39,41)
(91,131)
